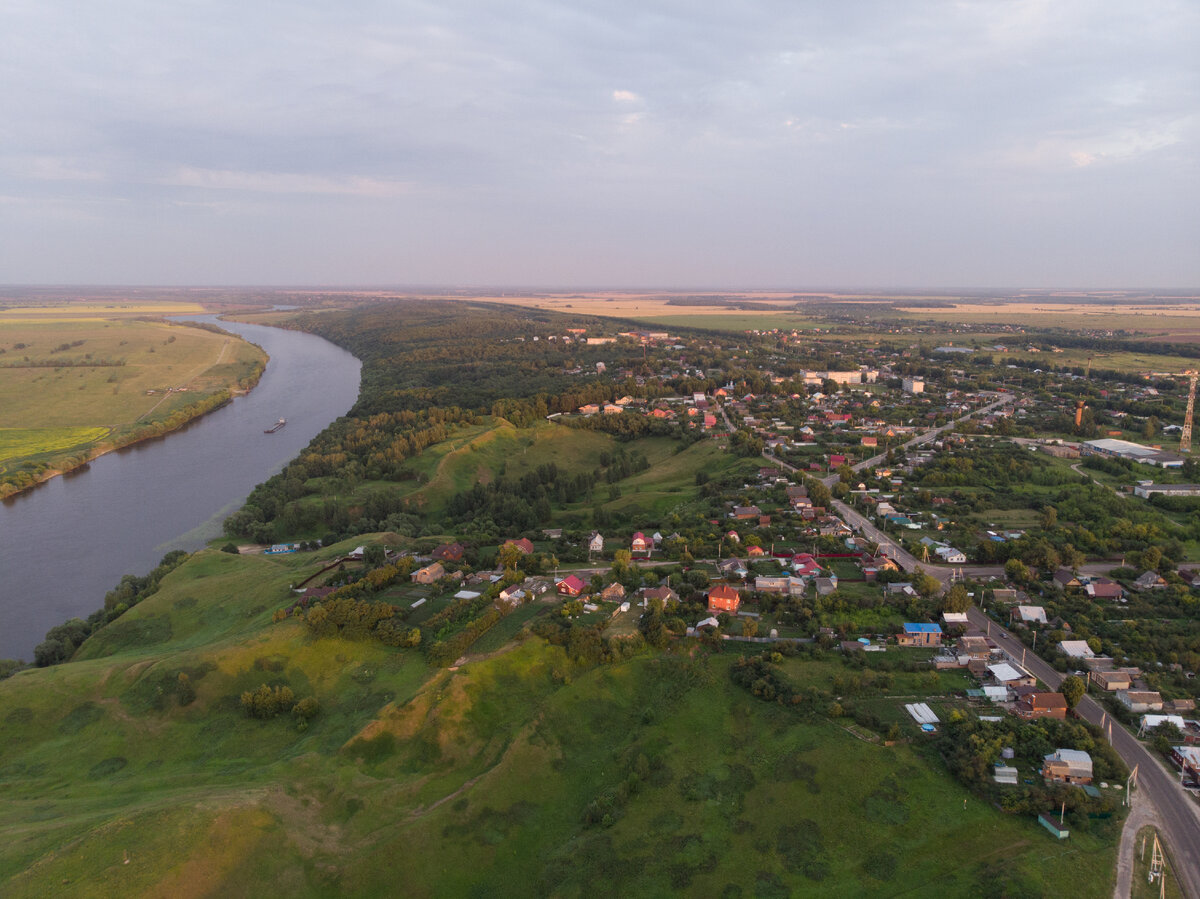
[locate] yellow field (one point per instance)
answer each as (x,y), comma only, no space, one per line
(16,442)
(97,311)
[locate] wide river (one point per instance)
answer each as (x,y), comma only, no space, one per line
(64,544)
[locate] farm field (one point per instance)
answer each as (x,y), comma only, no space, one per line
(74,384)
(1150,319)
(526,772)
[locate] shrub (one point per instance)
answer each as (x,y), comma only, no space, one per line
(267,702)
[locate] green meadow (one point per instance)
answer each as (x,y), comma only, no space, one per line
(523,773)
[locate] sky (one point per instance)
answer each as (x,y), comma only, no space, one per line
(601,143)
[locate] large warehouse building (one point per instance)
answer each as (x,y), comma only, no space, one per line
(1135,452)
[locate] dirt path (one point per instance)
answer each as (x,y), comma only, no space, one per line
(188,381)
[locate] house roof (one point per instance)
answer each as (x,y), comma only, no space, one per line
(573,582)
(723,591)
(1046,701)
(1070,756)
(1076,649)
(921,628)
(1004,672)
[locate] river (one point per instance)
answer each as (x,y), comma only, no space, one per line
(65,543)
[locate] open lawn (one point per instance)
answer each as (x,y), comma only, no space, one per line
(522,773)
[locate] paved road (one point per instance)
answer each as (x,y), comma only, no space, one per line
(1157,786)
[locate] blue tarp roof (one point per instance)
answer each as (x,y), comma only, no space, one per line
(919,628)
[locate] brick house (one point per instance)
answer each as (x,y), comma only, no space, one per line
(723,598)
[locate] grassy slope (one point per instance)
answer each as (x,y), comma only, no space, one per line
(479,453)
(472,782)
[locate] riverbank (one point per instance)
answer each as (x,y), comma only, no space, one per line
(24,472)
(127,509)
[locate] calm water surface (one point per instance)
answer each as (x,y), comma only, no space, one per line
(66,543)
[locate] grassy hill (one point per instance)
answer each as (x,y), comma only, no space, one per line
(520,773)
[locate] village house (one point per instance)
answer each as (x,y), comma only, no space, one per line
(1030,614)
(569,586)
(429,574)
(723,598)
(1076,649)
(975,647)
(1150,580)
(595,543)
(733,568)
(1071,766)
(1187,760)
(804,565)
(663,594)
(448,552)
(614,592)
(920,634)
(1140,701)
(777,584)
(1041,705)
(1011,675)
(1112,680)
(1104,588)
(1067,579)
(826,585)
(639,543)
(524,544)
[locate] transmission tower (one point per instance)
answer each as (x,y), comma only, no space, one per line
(1185,436)
(1157,864)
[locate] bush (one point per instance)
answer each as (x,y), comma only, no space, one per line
(267,702)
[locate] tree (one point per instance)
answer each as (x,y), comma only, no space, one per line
(1015,570)
(1049,517)
(956,600)
(749,627)
(1072,688)
(926,584)
(819,494)
(374,555)
(621,560)
(510,556)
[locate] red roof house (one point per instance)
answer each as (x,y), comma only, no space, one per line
(448,552)
(723,598)
(569,586)
(525,545)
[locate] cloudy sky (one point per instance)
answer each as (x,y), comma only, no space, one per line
(601,143)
